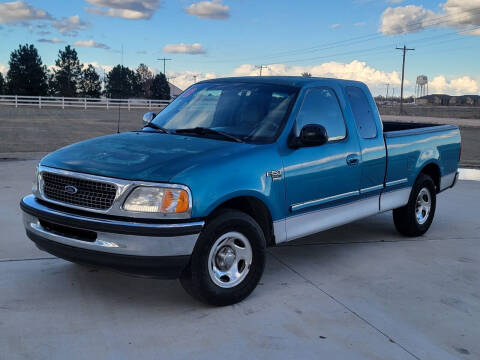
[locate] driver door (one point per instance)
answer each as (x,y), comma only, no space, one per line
(321,181)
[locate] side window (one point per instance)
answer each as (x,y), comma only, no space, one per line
(362,112)
(321,107)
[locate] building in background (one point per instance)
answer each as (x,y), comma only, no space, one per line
(174,90)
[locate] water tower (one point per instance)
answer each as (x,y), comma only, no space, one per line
(421,87)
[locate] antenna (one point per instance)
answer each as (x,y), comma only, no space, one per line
(118,121)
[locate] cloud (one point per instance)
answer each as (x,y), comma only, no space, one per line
(141,52)
(92,44)
(3,69)
(192,49)
(19,12)
(125,9)
(401,20)
(457,86)
(51,41)
(334,26)
(360,23)
(70,25)
(186,78)
(355,70)
(100,69)
(42,33)
(458,14)
(209,10)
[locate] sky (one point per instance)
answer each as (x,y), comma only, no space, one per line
(352,39)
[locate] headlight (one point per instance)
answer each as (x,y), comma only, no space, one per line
(37,187)
(157,200)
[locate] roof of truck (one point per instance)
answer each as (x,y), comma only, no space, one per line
(298,81)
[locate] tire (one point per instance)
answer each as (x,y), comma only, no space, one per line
(230,232)
(415,218)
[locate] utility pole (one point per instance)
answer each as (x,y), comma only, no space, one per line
(164,61)
(261,67)
(386,97)
(404,49)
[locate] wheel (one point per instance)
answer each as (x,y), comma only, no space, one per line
(227,261)
(415,218)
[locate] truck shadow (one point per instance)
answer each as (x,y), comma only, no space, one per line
(125,290)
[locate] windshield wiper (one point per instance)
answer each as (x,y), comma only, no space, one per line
(204,131)
(156,127)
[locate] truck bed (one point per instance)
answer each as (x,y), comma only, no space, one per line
(394,128)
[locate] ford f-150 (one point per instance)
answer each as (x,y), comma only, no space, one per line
(229,168)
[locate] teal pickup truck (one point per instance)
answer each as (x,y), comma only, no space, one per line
(229,168)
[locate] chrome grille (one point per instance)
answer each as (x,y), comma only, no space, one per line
(89,194)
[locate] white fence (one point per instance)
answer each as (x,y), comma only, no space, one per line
(85,103)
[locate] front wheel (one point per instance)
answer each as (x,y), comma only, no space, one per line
(415,218)
(228,260)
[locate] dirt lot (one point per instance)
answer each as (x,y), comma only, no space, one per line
(24,131)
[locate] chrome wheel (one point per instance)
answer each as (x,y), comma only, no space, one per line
(230,259)
(423,206)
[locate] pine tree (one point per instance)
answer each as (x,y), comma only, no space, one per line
(121,82)
(68,73)
(160,88)
(2,84)
(26,74)
(89,84)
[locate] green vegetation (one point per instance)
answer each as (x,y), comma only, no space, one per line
(27,75)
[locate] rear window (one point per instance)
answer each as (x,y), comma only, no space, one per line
(362,112)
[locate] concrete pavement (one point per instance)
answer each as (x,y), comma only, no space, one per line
(360,291)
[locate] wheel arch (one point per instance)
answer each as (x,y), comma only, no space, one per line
(252,206)
(432,169)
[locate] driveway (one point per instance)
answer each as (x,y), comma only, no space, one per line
(360,291)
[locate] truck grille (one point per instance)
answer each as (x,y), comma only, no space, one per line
(79,192)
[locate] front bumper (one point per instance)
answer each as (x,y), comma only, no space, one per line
(141,247)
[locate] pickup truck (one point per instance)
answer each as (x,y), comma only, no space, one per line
(229,168)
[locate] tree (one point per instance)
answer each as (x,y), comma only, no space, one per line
(89,84)
(146,79)
(2,84)
(306,74)
(122,82)
(26,74)
(68,73)
(160,88)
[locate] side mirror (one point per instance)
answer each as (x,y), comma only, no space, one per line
(310,135)
(148,117)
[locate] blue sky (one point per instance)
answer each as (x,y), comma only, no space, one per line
(346,38)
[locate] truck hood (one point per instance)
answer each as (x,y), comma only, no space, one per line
(147,156)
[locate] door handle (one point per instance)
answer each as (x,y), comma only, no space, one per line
(352,160)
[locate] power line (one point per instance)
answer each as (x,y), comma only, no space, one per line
(404,49)
(261,67)
(164,61)
(359,39)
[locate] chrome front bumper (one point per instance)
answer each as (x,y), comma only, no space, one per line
(50,226)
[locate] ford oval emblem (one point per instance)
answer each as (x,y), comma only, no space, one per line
(70,189)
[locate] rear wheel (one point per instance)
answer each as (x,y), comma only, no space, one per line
(228,260)
(415,218)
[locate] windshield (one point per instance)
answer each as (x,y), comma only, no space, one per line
(248,111)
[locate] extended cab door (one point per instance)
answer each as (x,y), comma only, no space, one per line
(321,181)
(372,144)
